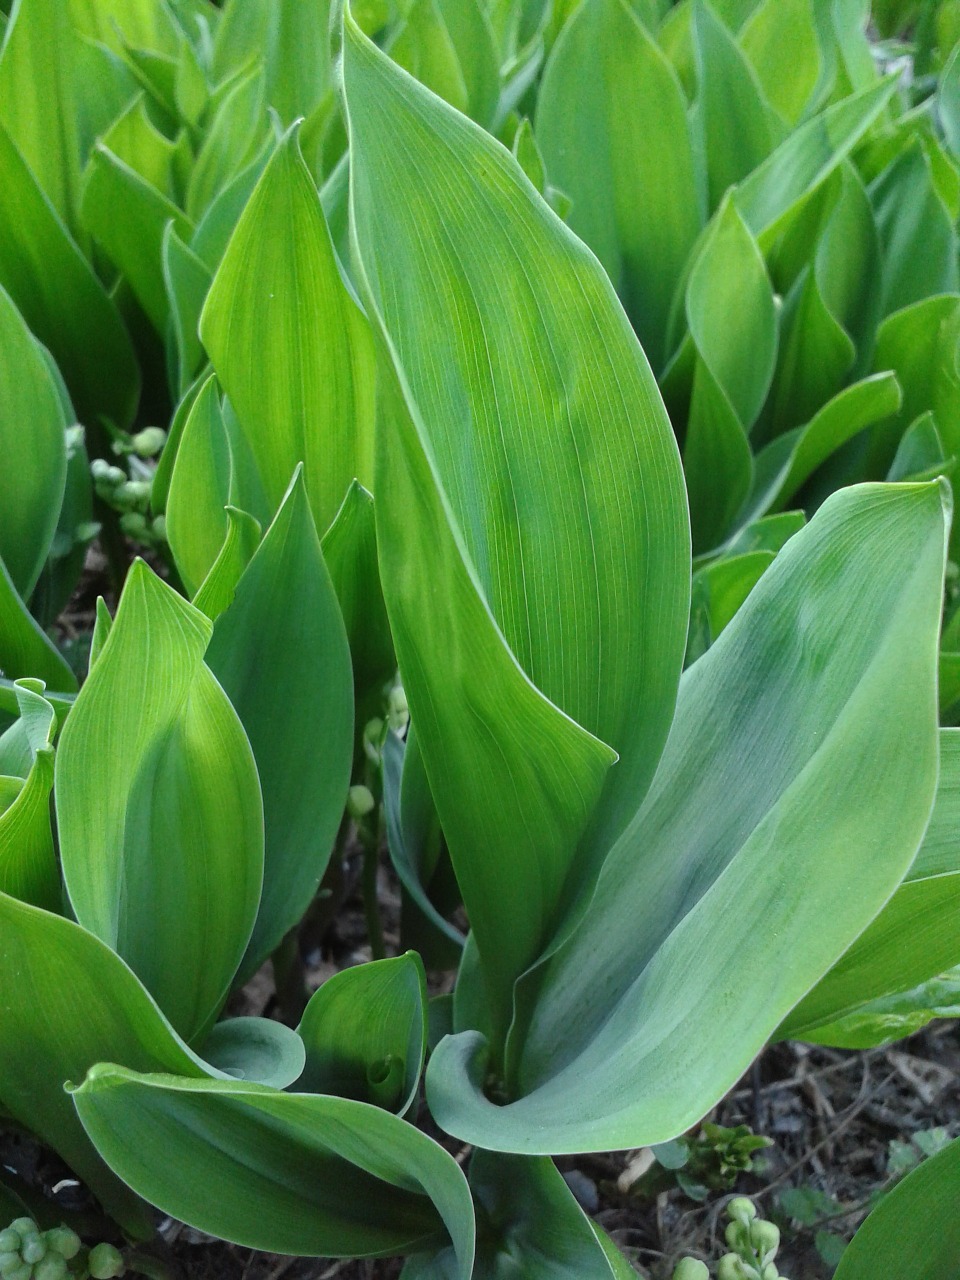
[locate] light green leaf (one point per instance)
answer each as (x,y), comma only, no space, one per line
(25,649)
(281,654)
(134,242)
(186,279)
(60,298)
(521,434)
(28,861)
(230,143)
(33,450)
(793,793)
(719,589)
(423,48)
(612,126)
(168,827)
(893,1017)
(915,937)
(920,454)
(66,1002)
(377,1058)
(291,347)
(75,530)
(257,1050)
(242,538)
(199,489)
(780,42)
(472,37)
(135,140)
(915,1230)
(299,1173)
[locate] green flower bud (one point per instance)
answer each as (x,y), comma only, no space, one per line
(133,495)
(770,1272)
(691,1269)
(10,1241)
(52,1267)
(86,531)
(360,802)
(148,442)
(9,1259)
(765,1237)
(73,438)
(23,1272)
(398,714)
(736,1236)
(742,1210)
(158,529)
(64,1241)
(730,1267)
(105,1262)
(133,524)
(100,468)
(372,737)
(34,1250)
(24,1227)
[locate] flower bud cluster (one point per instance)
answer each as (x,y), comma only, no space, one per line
(27,1253)
(753,1244)
(131,498)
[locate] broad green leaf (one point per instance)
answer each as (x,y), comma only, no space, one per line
(217,225)
(199,489)
(732,373)
(793,793)
(948,102)
(791,459)
(186,279)
(159,809)
(74,532)
(719,589)
(531,1224)
(28,861)
(66,1002)
(230,143)
(160,487)
(423,47)
(60,298)
(296,1173)
(281,654)
(135,140)
(257,1050)
(25,649)
(350,553)
(290,346)
(920,454)
(133,243)
(523,459)
(242,538)
(780,42)
(612,126)
(33,449)
(768,534)
(377,1058)
(915,936)
(917,233)
(806,158)
(472,37)
(291,37)
(737,128)
(915,1230)
(892,1017)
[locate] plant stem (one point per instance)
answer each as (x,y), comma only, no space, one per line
(371,865)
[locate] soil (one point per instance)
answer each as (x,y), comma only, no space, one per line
(836,1120)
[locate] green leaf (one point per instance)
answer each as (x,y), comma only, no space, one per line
(785,465)
(26,650)
(66,1002)
(186,279)
(532,1222)
(290,346)
(60,298)
(33,449)
(792,795)
(281,654)
(472,37)
(920,453)
(423,48)
(719,590)
(200,485)
(350,553)
(159,807)
(732,373)
(133,243)
(521,434)
(299,1173)
(915,1230)
(135,140)
(780,42)
(28,861)
(737,128)
(612,126)
(242,538)
(915,936)
(75,530)
(257,1050)
(892,1017)
(377,1058)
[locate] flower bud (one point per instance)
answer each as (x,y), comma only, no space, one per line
(133,495)
(23,1272)
(34,1250)
(736,1236)
(770,1272)
(52,1267)
(10,1241)
(133,524)
(64,1241)
(765,1237)
(100,468)
(742,1210)
(372,737)
(105,1262)
(730,1267)
(691,1269)
(148,442)
(9,1259)
(360,802)
(398,714)
(158,529)
(24,1227)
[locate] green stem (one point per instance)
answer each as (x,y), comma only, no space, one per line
(371,864)
(289,979)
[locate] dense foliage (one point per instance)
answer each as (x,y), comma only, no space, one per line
(538,423)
